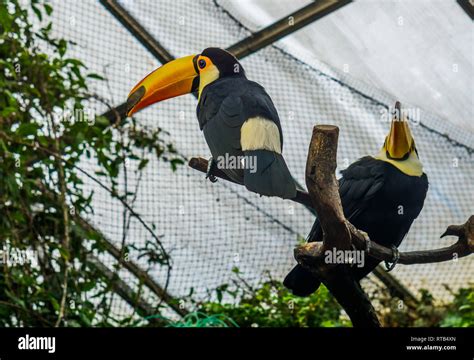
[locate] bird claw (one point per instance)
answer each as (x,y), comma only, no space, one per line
(396,256)
(210,166)
(211,178)
(366,239)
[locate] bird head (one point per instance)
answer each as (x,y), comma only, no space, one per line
(399,143)
(182,76)
(399,147)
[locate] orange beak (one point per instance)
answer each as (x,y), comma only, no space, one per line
(399,140)
(178,77)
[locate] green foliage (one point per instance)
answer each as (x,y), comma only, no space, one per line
(47,127)
(197,320)
(272,305)
(393,312)
(461,312)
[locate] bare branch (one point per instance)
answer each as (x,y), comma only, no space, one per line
(463,247)
(323,187)
(135,300)
(200,164)
(310,252)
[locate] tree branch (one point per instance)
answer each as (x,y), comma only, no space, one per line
(136,301)
(200,164)
(323,189)
(461,248)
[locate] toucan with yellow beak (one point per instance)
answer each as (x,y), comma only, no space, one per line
(237,116)
(381,195)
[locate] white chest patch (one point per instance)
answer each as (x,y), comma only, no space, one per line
(259,133)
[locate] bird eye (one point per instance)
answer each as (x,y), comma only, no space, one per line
(202,63)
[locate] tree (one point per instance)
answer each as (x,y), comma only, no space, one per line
(50,274)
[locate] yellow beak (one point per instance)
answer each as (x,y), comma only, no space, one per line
(399,141)
(178,77)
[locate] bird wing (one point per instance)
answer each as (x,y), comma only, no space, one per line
(225,110)
(359,183)
(225,106)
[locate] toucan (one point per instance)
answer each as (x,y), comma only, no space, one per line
(381,195)
(237,116)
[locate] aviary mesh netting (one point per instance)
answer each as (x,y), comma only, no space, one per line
(210,228)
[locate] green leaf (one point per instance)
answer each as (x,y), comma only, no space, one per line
(54,302)
(5,19)
(37,12)
(95,76)
(142,164)
(48,8)
(27,129)
(8,111)
(102,121)
(64,253)
(3,146)
(62,47)
(15,298)
(74,62)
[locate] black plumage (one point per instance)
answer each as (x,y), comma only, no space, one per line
(377,198)
(238,118)
(224,106)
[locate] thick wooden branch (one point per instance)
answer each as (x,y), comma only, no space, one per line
(340,234)
(323,189)
(464,246)
(350,295)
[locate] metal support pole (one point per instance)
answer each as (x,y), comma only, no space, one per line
(136,270)
(137,30)
(285,26)
(243,48)
(121,288)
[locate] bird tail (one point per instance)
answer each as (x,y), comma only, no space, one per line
(269,176)
(301,282)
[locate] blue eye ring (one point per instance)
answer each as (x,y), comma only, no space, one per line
(202,63)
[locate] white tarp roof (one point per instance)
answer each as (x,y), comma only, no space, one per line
(421,52)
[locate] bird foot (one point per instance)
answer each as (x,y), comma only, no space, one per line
(395,257)
(211,164)
(367,240)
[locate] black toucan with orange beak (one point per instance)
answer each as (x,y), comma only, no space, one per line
(238,118)
(381,195)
